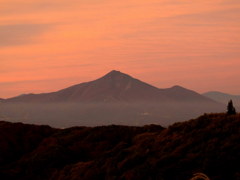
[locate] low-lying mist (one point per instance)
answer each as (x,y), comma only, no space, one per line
(63,115)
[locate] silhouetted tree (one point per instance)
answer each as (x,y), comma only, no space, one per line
(230,108)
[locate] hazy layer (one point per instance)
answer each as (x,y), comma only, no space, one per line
(76,114)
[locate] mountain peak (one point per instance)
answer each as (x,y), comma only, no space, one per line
(114,74)
(115,86)
(177,87)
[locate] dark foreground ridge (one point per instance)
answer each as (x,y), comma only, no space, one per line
(209,144)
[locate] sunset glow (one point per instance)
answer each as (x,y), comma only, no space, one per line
(49,45)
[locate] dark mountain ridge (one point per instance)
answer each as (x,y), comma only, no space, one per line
(115,87)
(208,144)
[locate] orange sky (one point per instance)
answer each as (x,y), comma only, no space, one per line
(48,45)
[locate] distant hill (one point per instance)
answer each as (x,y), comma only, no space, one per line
(223,97)
(115,87)
(115,98)
(208,144)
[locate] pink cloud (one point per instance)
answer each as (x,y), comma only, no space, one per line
(192,43)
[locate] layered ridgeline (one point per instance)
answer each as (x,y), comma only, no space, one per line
(223,97)
(209,145)
(115,98)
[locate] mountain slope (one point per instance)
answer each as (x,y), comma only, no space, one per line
(223,97)
(178,93)
(208,144)
(115,87)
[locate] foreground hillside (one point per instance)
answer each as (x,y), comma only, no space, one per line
(209,144)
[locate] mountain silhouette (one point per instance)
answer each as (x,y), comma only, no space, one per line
(115,87)
(223,97)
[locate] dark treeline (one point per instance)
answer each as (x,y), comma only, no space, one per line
(209,144)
